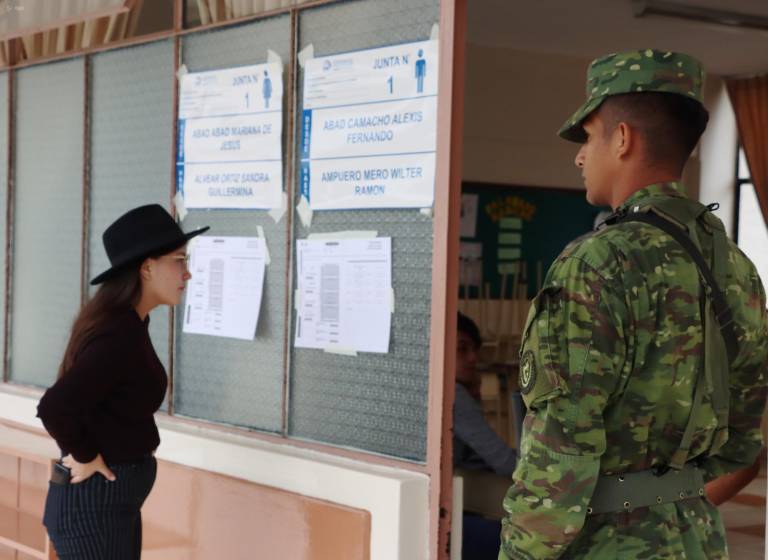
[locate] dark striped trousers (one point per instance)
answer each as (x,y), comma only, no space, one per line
(97,519)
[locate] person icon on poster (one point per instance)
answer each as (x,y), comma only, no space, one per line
(421,71)
(266,89)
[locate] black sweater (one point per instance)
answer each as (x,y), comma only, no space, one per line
(106,402)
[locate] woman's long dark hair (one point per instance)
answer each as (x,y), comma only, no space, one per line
(118,293)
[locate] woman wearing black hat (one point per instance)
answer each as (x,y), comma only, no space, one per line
(101,409)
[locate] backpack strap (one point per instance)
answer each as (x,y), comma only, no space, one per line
(713,374)
(720,306)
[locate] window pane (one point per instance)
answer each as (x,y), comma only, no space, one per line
(131,139)
(375,402)
(3,183)
(48,215)
(753,233)
(224,379)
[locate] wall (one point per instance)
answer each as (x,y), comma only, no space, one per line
(718,152)
(395,500)
(195,515)
(515,102)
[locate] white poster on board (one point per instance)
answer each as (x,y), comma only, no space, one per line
(230,138)
(224,294)
(344,294)
(369,128)
(470,264)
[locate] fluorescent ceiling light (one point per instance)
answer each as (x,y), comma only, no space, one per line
(665,8)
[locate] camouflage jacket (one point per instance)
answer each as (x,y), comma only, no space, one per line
(614,341)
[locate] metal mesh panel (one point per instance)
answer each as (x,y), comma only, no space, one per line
(375,402)
(221,379)
(48,217)
(3,186)
(131,148)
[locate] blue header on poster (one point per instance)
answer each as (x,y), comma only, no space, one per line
(305,179)
(180,178)
(180,141)
(306,132)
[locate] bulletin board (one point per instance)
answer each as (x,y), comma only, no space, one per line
(376,402)
(517,230)
(238,382)
(373,402)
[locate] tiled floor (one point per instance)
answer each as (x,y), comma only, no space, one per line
(744,519)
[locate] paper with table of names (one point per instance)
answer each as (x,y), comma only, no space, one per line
(230,138)
(344,291)
(369,128)
(224,294)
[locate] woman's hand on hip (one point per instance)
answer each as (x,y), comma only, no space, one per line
(84,471)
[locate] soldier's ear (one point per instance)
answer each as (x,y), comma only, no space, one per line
(624,140)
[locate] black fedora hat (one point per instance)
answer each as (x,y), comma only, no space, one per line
(139,233)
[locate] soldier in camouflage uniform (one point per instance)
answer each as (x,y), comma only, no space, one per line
(635,396)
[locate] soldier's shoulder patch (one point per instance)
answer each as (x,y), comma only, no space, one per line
(527,372)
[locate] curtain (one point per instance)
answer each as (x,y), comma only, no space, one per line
(749,98)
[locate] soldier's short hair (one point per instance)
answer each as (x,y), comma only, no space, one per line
(672,124)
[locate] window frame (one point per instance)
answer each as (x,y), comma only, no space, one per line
(445,222)
(739,183)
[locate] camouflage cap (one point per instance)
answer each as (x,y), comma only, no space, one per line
(633,72)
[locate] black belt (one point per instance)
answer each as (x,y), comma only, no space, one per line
(629,491)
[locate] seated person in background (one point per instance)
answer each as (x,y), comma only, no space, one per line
(475,445)
(484,460)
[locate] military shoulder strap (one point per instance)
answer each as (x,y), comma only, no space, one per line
(720,351)
(720,306)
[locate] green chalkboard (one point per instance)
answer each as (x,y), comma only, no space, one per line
(515,230)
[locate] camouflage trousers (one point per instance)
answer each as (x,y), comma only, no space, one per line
(686,530)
